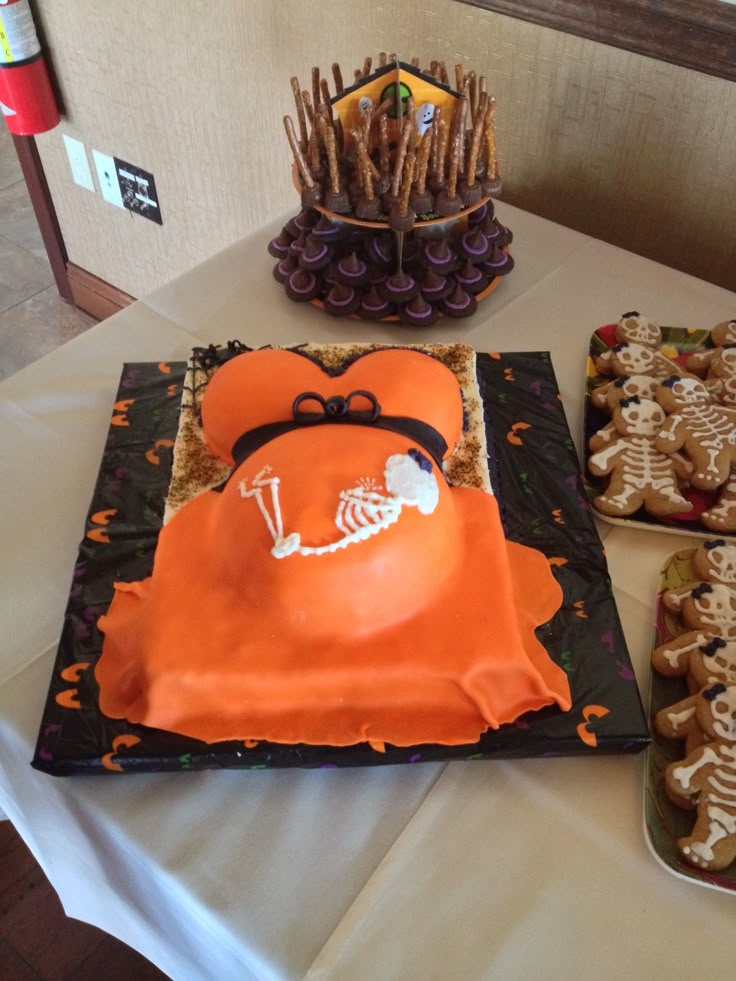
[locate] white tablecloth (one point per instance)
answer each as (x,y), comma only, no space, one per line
(508,869)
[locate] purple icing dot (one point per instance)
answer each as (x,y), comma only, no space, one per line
(415,758)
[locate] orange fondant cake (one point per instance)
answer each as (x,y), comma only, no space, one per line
(335,588)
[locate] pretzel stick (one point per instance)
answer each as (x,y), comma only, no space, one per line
(383,156)
(367,67)
(412,117)
(474,150)
(415,62)
(313,155)
(298,155)
(308,107)
(455,149)
(325,90)
(364,171)
(383,108)
(328,137)
(482,84)
(423,162)
(337,75)
(313,141)
(459,79)
(406,185)
(382,59)
(400,156)
(315,87)
(339,136)
(472,87)
(461,135)
(303,135)
(435,130)
(442,141)
(367,122)
(444,77)
(480,112)
(359,137)
(392,57)
(491,138)
(357,74)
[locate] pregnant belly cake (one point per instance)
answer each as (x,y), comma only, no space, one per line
(333,569)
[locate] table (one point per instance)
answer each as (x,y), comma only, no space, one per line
(467,870)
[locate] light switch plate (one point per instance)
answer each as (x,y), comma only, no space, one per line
(107,178)
(78,162)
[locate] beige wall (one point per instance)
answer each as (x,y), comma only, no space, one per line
(625,148)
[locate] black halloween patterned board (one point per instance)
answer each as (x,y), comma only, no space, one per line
(537,476)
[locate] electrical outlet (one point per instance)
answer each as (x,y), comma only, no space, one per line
(107,178)
(79,163)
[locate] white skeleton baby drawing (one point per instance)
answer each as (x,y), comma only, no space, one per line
(362,511)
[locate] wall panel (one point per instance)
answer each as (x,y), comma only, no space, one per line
(623,147)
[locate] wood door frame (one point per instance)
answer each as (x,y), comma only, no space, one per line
(43,207)
(75,285)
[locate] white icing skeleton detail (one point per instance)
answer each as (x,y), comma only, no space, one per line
(718,764)
(697,425)
(362,511)
(639,464)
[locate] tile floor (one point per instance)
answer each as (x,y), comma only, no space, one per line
(33,318)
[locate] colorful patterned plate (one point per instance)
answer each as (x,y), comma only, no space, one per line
(663,822)
(678,343)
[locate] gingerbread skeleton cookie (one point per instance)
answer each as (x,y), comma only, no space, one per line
(705,432)
(722,515)
(640,475)
(715,561)
(634,328)
(630,358)
(608,395)
(722,334)
(703,661)
(707,777)
(679,721)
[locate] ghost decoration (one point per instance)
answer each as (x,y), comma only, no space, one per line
(364,102)
(425,115)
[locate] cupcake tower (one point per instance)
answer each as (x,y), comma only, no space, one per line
(396,218)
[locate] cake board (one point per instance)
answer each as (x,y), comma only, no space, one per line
(537,477)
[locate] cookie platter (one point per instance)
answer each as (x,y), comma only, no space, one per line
(653,394)
(697,673)
(396,175)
